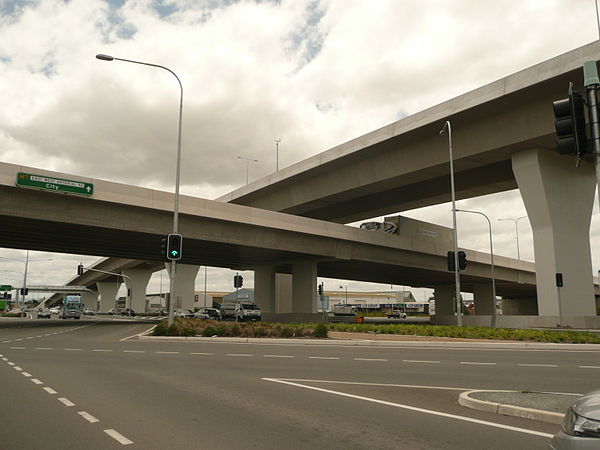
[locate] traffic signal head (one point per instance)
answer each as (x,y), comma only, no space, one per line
(163,246)
(569,121)
(451,262)
(80,269)
(320,289)
(462,260)
(24,291)
(174,246)
(238,281)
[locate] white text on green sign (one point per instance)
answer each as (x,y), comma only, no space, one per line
(54,184)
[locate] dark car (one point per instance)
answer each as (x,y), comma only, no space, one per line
(128,312)
(43,313)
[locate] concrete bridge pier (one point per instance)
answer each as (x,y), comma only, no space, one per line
(483,299)
(108,294)
(90,299)
(185,285)
(136,281)
(559,199)
(287,298)
(445,305)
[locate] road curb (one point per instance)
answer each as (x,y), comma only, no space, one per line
(377,343)
(465,400)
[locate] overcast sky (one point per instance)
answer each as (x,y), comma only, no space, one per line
(313,73)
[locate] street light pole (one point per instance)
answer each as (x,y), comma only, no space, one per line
(247,163)
(448,127)
(177,170)
(516,221)
(492,262)
(277,141)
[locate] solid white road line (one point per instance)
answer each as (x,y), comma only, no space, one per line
(413,408)
(323,357)
(478,363)
(49,390)
(36,381)
(278,356)
(417,361)
(369,359)
(88,417)
(26,374)
(537,365)
(66,401)
(202,353)
(443,388)
(118,437)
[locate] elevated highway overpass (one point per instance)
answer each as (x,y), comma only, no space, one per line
(126,224)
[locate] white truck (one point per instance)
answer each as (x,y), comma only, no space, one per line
(71,307)
(240,311)
(396,313)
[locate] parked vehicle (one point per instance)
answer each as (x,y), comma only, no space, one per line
(127,312)
(71,308)
(88,312)
(395,313)
(183,313)
(344,310)
(581,425)
(208,313)
(43,313)
(240,311)
(55,310)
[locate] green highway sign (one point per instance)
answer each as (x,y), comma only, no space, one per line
(54,184)
(5,287)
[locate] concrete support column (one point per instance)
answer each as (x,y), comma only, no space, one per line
(108,294)
(283,293)
(185,285)
(264,288)
(483,298)
(519,307)
(444,300)
(559,199)
(90,300)
(137,282)
(304,287)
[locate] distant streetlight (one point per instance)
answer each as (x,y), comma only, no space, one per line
(247,163)
(342,287)
(277,141)
(448,127)
(492,262)
(177,170)
(516,221)
(26,262)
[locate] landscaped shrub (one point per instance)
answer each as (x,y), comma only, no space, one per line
(320,331)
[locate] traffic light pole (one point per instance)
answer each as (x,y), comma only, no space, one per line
(592,83)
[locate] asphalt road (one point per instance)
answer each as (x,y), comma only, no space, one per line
(77,384)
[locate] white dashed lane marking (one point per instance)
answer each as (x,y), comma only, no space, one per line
(168,353)
(537,365)
(239,354)
(134,351)
(49,390)
(323,357)
(101,350)
(278,356)
(202,353)
(118,437)
(36,381)
(44,348)
(66,401)
(17,368)
(72,349)
(17,348)
(472,363)
(26,374)
(589,367)
(369,359)
(10,363)
(418,361)
(88,417)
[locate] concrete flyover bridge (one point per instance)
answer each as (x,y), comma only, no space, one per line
(503,139)
(126,224)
